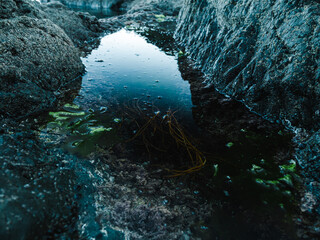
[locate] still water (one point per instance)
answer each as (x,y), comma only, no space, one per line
(98,8)
(112,72)
(129,81)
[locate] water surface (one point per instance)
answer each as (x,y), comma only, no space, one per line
(126,67)
(100,9)
(128,79)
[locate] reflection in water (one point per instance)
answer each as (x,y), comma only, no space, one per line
(249,192)
(251,163)
(125,70)
(126,67)
(99,8)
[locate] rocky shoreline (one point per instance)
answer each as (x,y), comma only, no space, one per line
(40,66)
(266,55)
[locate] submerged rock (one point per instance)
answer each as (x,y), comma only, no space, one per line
(143,203)
(265,53)
(45,193)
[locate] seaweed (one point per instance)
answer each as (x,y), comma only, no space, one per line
(161,133)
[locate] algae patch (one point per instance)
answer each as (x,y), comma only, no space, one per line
(160,17)
(84,130)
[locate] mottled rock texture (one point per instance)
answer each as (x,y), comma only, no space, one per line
(38,57)
(308,156)
(265,53)
(143,13)
(81,27)
(166,7)
(39,193)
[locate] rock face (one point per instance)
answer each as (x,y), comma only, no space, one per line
(82,28)
(308,156)
(265,53)
(41,188)
(38,57)
(142,14)
(166,7)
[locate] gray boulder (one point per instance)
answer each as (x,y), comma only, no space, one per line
(38,54)
(264,53)
(82,28)
(37,59)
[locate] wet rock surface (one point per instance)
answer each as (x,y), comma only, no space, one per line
(144,202)
(38,54)
(45,192)
(308,156)
(37,59)
(49,193)
(140,14)
(33,201)
(82,28)
(39,64)
(264,53)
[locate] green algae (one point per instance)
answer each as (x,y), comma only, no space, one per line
(160,17)
(99,129)
(59,119)
(117,120)
(256,169)
(64,113)
(181,54)
(216,169)
(286,179)
(229,144)
(85,129)
(72,106)
(77,143)
(289,168)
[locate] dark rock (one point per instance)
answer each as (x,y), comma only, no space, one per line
(145,205)
(82,28)
(308,156)
(221,116)
(165,7)
(14,8)
(37,59)
(265,53)
(37,192)
(140,14)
